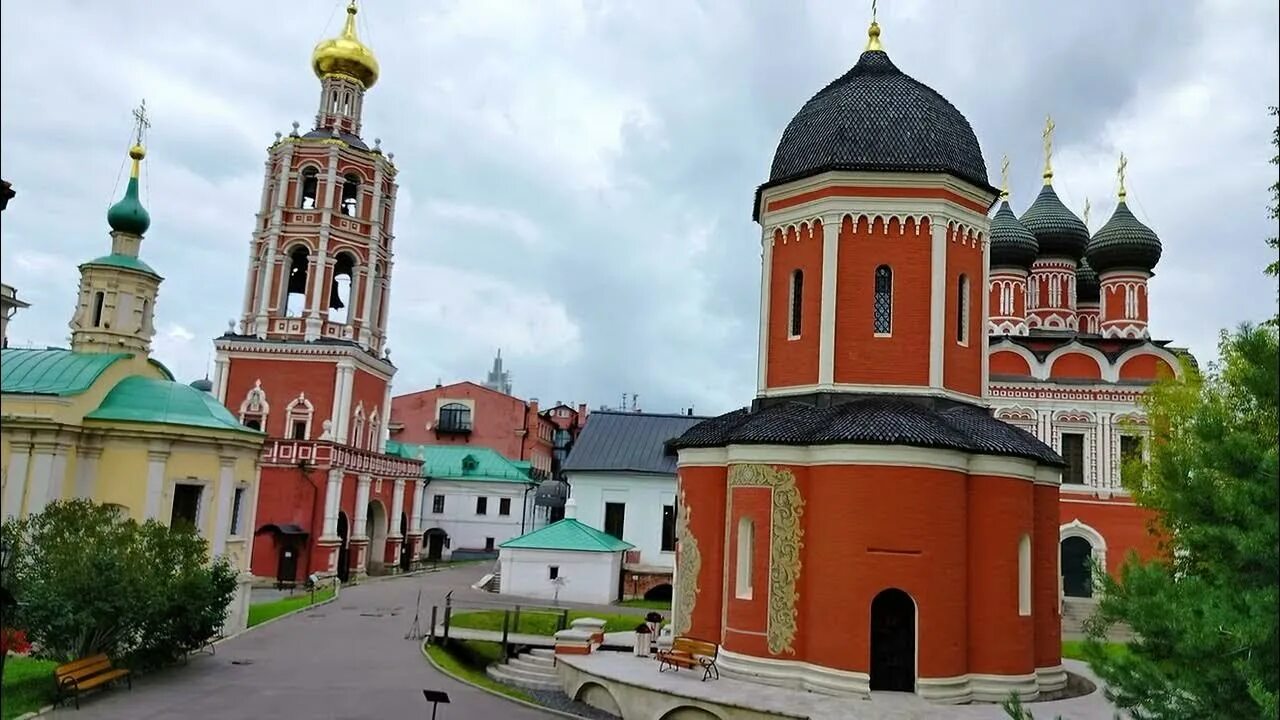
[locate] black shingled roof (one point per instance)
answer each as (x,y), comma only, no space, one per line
(1012,244)
(1124,242)
(875,420)
(628,442)
(1057,229)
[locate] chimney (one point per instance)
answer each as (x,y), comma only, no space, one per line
(582,411)
(570,509)
(691,412)
(533,405)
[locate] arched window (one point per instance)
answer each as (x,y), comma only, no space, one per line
(346,102)
(254,409)
(296,285)
(310,184)
(454,417)
(1024,575)
(746,550)
(144,323)
(299,412)
(350,194)
(882,310)
(962,310)
(357,426)
(340,290)
(797,296)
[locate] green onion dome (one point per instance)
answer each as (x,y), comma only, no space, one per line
(128,215)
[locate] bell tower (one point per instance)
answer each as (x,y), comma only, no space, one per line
(314,315)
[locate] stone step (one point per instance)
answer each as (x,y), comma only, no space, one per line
(543,652)
(526,674)
(504,674)
(539,660)
(534,668)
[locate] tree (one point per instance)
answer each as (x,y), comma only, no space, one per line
(88,582)
(1205,614)
(1274,211)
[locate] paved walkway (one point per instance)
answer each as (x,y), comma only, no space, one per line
(347,660)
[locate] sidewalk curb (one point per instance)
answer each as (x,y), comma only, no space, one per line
(494,693)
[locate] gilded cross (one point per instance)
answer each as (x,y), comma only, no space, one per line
(1004,176)
(1086,212)
(141,121)
(1124,163)
(1048,146)
(873,10)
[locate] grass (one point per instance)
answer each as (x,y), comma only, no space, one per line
(1074,649)
(651,604)
(263,612)
(538,623)
(468,659)
(27,686)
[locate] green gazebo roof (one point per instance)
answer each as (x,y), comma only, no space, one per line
(127,262)
(150,400)
(461,462)
(568,534)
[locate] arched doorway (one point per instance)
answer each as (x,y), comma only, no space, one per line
(404,543)
(344,548)
(1077,572)
(659,592)
(893,641)
(434,538)
(376,524)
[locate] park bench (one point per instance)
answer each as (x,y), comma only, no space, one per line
(85,674)
(689,653)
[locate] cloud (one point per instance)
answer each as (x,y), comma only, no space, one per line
(576,176)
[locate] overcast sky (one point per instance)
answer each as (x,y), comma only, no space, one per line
(576,177)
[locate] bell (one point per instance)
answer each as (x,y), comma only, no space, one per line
(335,302)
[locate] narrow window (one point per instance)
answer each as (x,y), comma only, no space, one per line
(237,508)
(98,299)
(797,295)
(482,506)
(145,323)
(186,506)
(1130,456)
(307,198)
(746,542)
(504,506)
(357,427)
(668,528)
(350,194)
(1024,575)
(488,544)
(253,421)
(296,288)
(883,304)
(962,311)
(553,571)
(615,518)
(340,289)
(299,430)
(1073,453)
(454,417)
(437,504)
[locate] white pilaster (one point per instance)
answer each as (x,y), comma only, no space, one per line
(362,505)
(766,267)
(397,508)
(385,430)
(827,319)
(15,478)
(985,303)
(86,471)
(156,461)
(332,504)
(342,399)
(222,507)
(937,298)
(41,478)
(221,368)
(415,508)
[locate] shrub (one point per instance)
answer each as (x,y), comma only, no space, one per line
(87,582)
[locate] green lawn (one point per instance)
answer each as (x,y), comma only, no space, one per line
(538,623)
(651,604)
(27,686)
(263,612)
(468,660)
(1074,649)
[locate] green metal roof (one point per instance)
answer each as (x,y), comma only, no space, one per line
(150,400)
(568,534)
(53,371)
(460,462)
(127,262)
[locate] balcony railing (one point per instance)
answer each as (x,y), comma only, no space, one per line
(325,454)
(453,426)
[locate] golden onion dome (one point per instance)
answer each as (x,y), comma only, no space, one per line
(346,55)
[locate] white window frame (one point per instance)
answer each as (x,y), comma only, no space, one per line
(742,582)
(299,410)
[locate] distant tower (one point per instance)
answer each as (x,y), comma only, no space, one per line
(1013,251)
(499,379)
(115,310)
(1062,238)
(1088,312)
(1123,253)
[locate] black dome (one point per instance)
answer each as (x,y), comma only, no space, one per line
(1086,283)
(1057,229)
(203,385)
(876,118)
(1012,244)
(1124,242)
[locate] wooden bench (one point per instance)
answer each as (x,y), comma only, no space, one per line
(689,653)
(85,674)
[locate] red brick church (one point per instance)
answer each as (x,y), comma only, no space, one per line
(867,524)
(309,364)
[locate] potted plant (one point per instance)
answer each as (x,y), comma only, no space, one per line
(643,637)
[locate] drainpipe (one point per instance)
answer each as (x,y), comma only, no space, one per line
(524,510)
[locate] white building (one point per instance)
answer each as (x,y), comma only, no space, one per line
(474,500)
(623,481)
(566,560)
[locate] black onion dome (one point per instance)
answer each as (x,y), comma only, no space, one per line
(1086,283)
(1057,229)
(1012,244)
(1123,243)
(203,385)
(876,118)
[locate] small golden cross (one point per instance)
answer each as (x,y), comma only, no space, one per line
(1086,212)
(1004,176)
(1048,146)
(141,121)
(1124,163)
